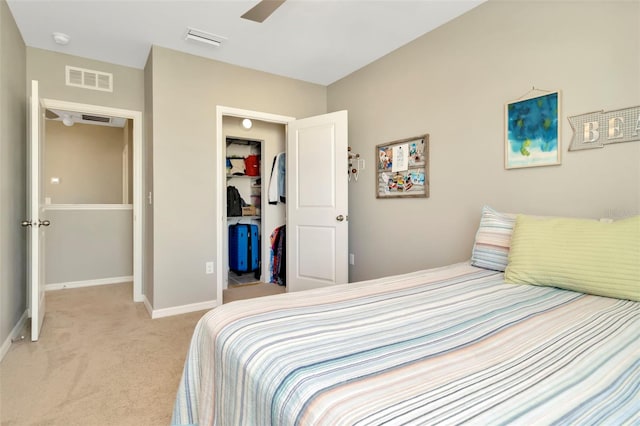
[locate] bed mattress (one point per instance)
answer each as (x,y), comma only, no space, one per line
(443,346)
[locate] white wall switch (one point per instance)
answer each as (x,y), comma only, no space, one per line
(352,259)
(209,267)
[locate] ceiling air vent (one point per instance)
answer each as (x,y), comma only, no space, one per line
(97,118)
(89,79)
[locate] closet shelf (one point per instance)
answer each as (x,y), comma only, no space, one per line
(243,217)
(242,177)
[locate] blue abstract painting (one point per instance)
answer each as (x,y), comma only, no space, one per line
(532,133)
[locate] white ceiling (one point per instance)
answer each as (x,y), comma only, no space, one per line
(319,41)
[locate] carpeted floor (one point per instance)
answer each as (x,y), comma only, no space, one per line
(101,360)
(249,291)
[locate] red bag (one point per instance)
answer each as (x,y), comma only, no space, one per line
(252,165)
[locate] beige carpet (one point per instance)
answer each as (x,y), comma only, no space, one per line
(101,360)
(249,291)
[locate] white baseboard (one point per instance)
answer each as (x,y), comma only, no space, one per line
(147,305)
(88,283)
(183,309)
(15,332)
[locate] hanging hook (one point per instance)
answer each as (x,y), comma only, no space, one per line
(354,164)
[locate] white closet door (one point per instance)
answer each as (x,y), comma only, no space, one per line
(317,202)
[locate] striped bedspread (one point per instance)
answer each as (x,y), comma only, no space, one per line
(444,346)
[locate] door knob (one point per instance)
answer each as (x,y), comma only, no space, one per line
(25,223)
(44,223)
(340,218)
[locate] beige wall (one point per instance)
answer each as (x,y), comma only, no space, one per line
(49,69)
(13,173)
(87,159)
(453,83)
(186,90)
(78,250)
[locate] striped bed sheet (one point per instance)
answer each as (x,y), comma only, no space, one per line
(449,345)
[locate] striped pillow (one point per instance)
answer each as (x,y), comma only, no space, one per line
(493,240)
(581,255)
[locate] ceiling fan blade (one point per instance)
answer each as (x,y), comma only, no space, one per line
(262,10)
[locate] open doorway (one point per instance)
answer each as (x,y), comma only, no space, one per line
(229,126)
(91,242)
(90,154)
(255,223)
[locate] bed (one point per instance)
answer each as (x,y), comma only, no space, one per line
(449,345)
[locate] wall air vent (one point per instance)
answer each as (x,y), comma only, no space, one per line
(97,118)
(89,79)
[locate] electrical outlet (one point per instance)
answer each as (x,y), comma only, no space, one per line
(209,267)
(352,259)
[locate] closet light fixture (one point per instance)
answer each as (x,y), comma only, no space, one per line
(247,124)
(204,37)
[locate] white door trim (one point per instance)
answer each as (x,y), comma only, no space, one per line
(35,288)
(138,200)
(125,174)
(222,111)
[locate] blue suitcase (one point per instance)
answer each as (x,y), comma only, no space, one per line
(244,247)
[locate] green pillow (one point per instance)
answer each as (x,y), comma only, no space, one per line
(577,254)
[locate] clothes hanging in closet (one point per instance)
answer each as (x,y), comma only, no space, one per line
(278,256)
(277,186)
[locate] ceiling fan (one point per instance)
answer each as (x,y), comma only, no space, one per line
(262,10)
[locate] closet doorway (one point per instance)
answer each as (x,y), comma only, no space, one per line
(250,148)
(268,127)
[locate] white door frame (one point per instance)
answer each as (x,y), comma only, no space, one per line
(125,174)
(221,112)
(138,200)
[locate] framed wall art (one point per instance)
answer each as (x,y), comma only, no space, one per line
(532,131)
(403,168)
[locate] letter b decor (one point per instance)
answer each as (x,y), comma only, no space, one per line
(600,128)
